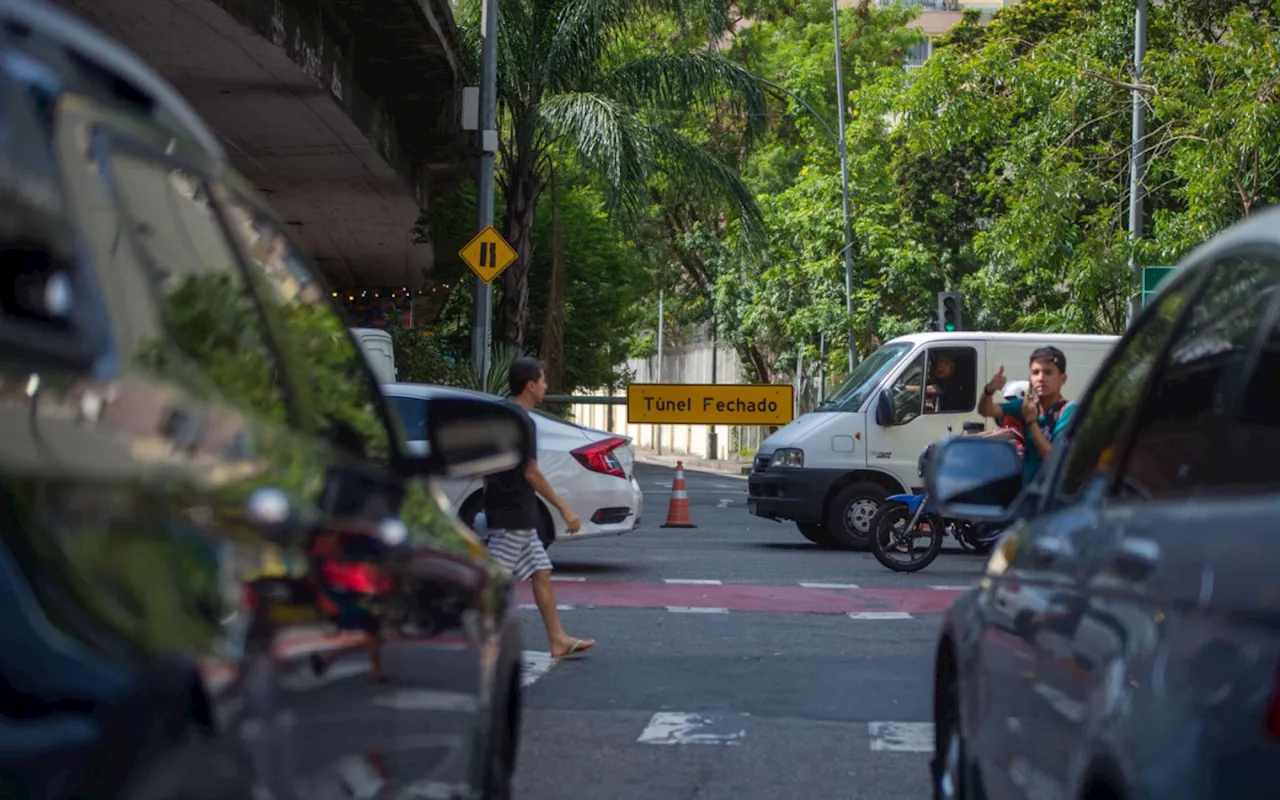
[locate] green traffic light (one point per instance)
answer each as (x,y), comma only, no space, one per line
(951,326)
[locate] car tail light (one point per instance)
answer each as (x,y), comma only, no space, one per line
(599,457)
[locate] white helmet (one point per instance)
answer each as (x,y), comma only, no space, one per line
(1016,389)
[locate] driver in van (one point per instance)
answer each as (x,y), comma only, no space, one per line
(1045,412)
(945,391)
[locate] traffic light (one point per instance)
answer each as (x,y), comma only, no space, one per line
(949,311)
(931,324)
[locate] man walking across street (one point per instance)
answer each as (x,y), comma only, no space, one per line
(511,512)
(1044,411)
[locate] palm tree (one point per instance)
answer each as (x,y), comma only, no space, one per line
(567,84)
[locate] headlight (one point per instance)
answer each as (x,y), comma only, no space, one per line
(787,457)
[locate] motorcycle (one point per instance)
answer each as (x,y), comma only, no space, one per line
(902,519)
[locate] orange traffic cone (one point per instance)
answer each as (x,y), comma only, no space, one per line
(678,510)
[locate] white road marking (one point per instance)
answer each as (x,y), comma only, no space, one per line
(362,779)
(902,737)
(304,680)
(569,578)
(534,607)
(426,700)
(697,610)
(677,727)
(536,664)
(830,585)
(950,588)
(699,581)
(724,503)
(879,615)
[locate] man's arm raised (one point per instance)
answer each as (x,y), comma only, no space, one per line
(988,407)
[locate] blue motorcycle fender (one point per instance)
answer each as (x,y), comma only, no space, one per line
(911,501)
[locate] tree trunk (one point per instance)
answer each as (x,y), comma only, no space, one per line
(553,327)
(522,200)
(755,359)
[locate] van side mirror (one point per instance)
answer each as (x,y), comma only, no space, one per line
(468,437)
(884,409)
(974,479)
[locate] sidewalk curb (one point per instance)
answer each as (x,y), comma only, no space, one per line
(693,463)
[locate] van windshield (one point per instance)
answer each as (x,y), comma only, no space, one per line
(864,378)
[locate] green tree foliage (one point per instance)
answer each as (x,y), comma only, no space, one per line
(999,168)
(571,81)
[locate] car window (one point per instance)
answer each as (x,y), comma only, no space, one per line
(412,412)
(1100,420)
(1178,441)
(211,336)
(1255,427)
(907,392)
(333,386)
(953,381)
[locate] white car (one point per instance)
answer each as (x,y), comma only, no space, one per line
(592,470)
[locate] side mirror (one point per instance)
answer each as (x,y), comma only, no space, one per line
(467,437)
(884,409)
(974,479)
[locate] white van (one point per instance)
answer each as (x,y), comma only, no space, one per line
(376,344)
(829,470)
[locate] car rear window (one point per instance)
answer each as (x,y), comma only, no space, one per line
(413,416)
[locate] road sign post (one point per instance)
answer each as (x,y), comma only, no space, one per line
(1152,277)
(710,404)
(482,305)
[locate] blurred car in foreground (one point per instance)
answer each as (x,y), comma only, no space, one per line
(222,572)
(1124,641)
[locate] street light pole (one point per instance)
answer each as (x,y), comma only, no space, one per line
(841,100)
(482,305)
(1135,155)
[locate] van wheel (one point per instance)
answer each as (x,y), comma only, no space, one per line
(850,513)
(815,532)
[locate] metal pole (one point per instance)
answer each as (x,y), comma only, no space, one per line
(841,100)
(1135,157)
(658,428)
(822,367)
(713,437)
(482,306)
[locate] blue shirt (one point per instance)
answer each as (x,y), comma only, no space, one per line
(1051,422)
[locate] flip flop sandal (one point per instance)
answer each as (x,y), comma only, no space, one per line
(579,648)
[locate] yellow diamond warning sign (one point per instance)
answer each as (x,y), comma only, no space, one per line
(488,254)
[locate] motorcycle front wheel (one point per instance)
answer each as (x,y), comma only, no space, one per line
(890,538)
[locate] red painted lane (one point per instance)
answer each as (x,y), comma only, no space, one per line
(747,597)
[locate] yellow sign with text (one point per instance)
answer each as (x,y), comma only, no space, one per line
(709,404)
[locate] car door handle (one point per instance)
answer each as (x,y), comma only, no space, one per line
(1050,549)
(1135,558)
(974,427)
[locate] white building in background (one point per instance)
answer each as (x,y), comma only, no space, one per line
(936,18)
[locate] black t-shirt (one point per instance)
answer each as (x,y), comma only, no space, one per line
(955,394)
(510,502)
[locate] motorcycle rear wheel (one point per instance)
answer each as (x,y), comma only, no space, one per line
(884,526)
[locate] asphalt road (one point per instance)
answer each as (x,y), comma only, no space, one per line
(732,660)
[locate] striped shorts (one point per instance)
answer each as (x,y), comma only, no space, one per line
(519,551)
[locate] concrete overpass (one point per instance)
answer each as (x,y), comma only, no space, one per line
(345,113)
